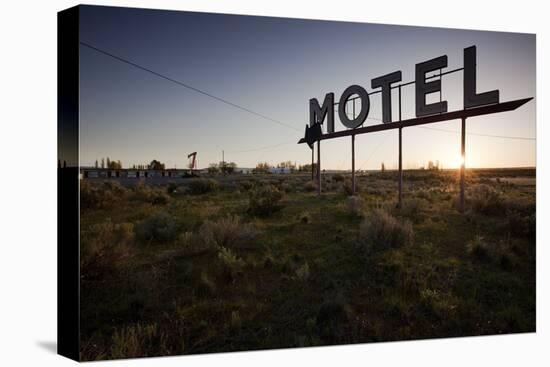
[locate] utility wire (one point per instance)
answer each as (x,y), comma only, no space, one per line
(128,62)
(478,134)
(374,151)
(264,147)
(467,133)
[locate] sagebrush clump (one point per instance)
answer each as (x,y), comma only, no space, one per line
(148,194)
(485,199)
(226,232)
(102,248)
(355,205)
(338,177)
(310,186)
(158,228)
(347,187)
(101,195)
(380,231)
(232,265)
(478,248)
(264,200)
(135,341)
(413,208)
(202,186)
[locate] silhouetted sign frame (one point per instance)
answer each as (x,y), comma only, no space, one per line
(474,104)
(454,115)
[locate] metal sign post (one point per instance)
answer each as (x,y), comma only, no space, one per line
(400,163)
(312,165)
(319,167)
(462,164)
(400,178)
(353,164)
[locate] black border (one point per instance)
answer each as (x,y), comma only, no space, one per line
(68,264)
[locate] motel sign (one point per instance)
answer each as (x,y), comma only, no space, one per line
(474,104)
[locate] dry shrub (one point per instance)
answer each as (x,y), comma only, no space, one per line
(136,341)
(520,224)
(159,198)
(287,187)
(338,177)
(302,273)
(142,192)
(100,195)
(478,248)
(246,185)
(202,186)
(355,205)
(190,244)
(332,315)
(521,217)
(236,322)
(226,232)
(232,265)
(304,218)
(264,200)
(500,252)
(102,248)
(148,194)
(380,231)
(422,194)
(347,187)
(158,228)
(485,199)
(172,188)
(206,286)
(310,186)
(413,207)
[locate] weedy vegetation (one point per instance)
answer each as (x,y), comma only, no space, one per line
(245,262)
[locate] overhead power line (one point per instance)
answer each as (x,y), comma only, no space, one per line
(185,85)
(478,134)
(467,133)
(382,142)
(264,147)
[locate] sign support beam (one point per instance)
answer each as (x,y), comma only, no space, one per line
(319,167)
(400,195)
(353,165)
(470,112)
(462,164)
(400,178)
(312,164)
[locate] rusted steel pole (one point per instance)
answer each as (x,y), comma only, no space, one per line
(353,165)
(353,186)
(400,184)
(462,164)
(400,196)
(312,164)
(319,167)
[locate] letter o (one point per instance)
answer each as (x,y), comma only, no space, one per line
(365,106)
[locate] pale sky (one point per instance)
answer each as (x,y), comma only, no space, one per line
(273,66)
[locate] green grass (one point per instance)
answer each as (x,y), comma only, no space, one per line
(303,278)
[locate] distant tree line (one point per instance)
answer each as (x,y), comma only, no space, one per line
(307,167)
(108,163)
(222,167)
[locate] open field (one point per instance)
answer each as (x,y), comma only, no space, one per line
(254,262)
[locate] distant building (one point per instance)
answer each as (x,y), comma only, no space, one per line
(244,171)
(92,172)
(279,170)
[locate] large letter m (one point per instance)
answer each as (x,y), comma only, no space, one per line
(317,113)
